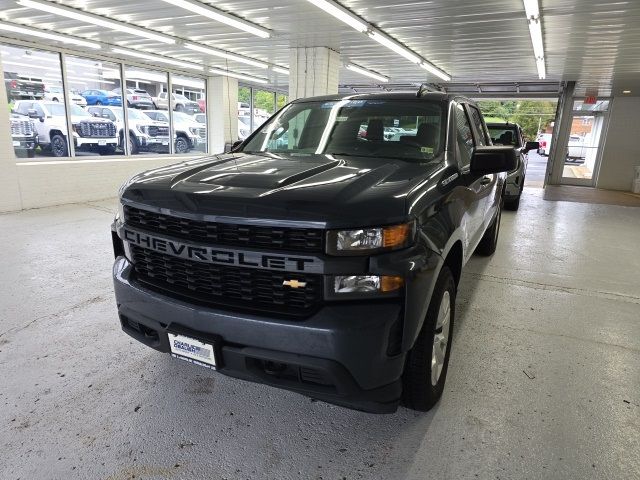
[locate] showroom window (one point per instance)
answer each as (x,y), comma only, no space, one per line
(189,112)
(38,118)
(264,105)
(86,102)
(95,87)
(146,103)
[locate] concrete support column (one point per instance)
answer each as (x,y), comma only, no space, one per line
(313,71)
(222,112)
(10,199)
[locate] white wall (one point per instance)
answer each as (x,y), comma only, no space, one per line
(48,183)
(621,152)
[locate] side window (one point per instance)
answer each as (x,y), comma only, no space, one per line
(23,108)
(39,110)
(477,121)
(464,138)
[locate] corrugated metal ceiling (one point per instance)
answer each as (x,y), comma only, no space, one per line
(591,41)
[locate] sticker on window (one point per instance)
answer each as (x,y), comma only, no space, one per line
(428,150)
(328,104)
(342,119)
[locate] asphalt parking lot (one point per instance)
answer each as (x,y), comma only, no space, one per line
(544,378)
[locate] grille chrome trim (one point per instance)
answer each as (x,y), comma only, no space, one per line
(266,237)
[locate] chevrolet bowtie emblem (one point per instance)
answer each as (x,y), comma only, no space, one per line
(294,284)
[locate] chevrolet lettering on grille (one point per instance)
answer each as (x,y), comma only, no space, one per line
(222,256)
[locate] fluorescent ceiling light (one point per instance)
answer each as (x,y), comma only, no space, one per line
(220,16)
(341,14)
(365,72)
(542,71)
(240,76)
(224,54)
(33,32)
(535,31)
(282,70)
(31,65)
(531,8)
(436,71)
(157,58)
(395,46)
(58,9)
(354,21)
(142,75)
(626,91)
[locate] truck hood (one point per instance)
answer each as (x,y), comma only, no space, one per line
(337,191)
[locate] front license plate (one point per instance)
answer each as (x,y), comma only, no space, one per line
(192,350)
(102,143)
(165,143)
(16,143)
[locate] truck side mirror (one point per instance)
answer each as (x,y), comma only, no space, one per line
(32,113)
(493,159)
(235,145)
(531,146)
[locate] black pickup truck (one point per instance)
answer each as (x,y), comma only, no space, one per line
(315,258)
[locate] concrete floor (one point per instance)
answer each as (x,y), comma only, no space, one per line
(544,380)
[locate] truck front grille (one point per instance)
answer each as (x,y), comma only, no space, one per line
(227,286)
(155,131)
(92,129)
(22,128)
(270,238)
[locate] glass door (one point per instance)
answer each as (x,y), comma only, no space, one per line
(582,152)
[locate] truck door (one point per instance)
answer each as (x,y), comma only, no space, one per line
(472,221)
(488,192)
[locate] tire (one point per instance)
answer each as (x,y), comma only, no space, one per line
(422,384)
(512,203)
(489,241)
(133,144)
(59,146)
(98,102)
(179,108)
(31,153)
(55,99)
(182,145)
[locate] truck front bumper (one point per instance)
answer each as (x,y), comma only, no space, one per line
(339,354)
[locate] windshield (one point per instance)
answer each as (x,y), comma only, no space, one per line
(503,135)
(137,115)
(182,117)
(177,96)
(57,110)
(408,130)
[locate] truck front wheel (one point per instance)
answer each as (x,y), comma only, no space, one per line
(59,145)
(427,362)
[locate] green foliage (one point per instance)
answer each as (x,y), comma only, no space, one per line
(532,115)
(244,95)
(263,100)
(281,100)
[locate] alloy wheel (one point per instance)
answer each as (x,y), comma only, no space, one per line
(441,338)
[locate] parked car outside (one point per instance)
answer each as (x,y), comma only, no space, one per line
(102,97)
(244,130)
(144,133)
(180,103)
(202,103)
(577,150)
(510,134)
(20,87)
(137,98)
(89,133)
(544,139)
(56,94)
(189,133)
(24,136)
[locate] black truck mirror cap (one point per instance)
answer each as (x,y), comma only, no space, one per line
(531,146)
(493,160)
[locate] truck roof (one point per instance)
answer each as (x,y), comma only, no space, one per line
(383,95)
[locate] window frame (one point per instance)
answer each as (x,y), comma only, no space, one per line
(463,168)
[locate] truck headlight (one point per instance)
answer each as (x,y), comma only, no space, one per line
(367,283)
(370,240)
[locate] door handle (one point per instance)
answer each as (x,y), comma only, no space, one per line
(485,181)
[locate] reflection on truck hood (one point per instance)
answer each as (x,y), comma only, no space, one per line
(333,189)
